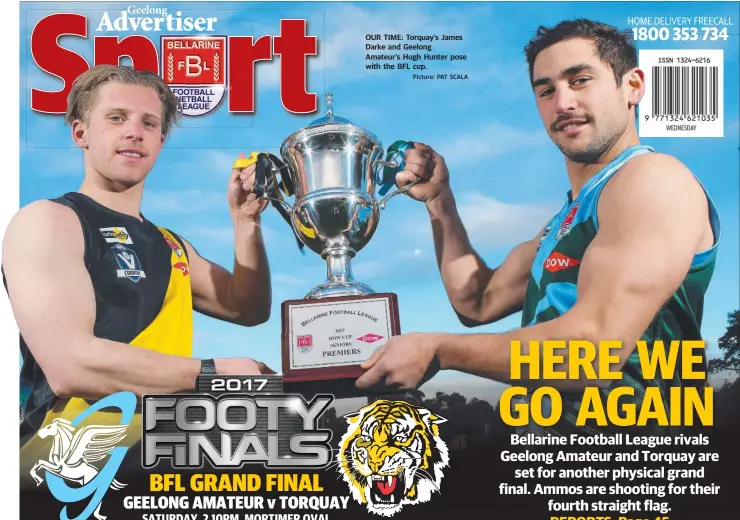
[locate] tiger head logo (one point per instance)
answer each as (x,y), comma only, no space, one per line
(392,455)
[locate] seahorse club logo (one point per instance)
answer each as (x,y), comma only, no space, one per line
(195,69)
(392,455)
(74,451)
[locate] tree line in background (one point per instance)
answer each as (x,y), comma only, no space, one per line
(727,396)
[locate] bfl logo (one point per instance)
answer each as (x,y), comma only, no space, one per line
(73,453)
(305,343)
(392,455)
(195,69)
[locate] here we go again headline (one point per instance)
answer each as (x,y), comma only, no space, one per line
(585,361)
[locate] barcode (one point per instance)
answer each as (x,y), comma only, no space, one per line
(692,90)
(684,93)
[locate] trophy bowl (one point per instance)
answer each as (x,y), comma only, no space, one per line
(335,168)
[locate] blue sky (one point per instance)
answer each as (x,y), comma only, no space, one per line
(507,175)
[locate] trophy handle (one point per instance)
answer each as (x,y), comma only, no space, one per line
(394,161)
(269,163)
(265,163)
(399,191)
(287,207)
(385,171)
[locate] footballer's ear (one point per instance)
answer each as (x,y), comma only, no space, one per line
(79,133)
(633,84)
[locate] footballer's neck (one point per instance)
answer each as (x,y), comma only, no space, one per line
(114,195)
(579,173)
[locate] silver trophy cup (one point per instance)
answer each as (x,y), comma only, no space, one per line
(336,168)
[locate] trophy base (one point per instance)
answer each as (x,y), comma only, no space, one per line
(324,341)
(336,290)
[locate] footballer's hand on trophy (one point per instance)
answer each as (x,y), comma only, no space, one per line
(422,163)
(244,202)
(242,366)
(406,361)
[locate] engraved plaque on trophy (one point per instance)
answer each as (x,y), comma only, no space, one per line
(328,338)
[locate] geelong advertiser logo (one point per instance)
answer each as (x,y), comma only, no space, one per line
(146,19)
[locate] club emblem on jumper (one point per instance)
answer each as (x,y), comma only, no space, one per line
(76,453)
(195,69)
(129,264)
(567,224)
(392,455)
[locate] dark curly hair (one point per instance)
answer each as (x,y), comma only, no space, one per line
(614,47)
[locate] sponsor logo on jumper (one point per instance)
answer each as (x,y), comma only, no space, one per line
(182,266)
(369,338)
(567,224)
(174,246)
(558,261)
(116,235)
(305,343)
(128,262)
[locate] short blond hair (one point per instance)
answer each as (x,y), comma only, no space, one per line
(82,96)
